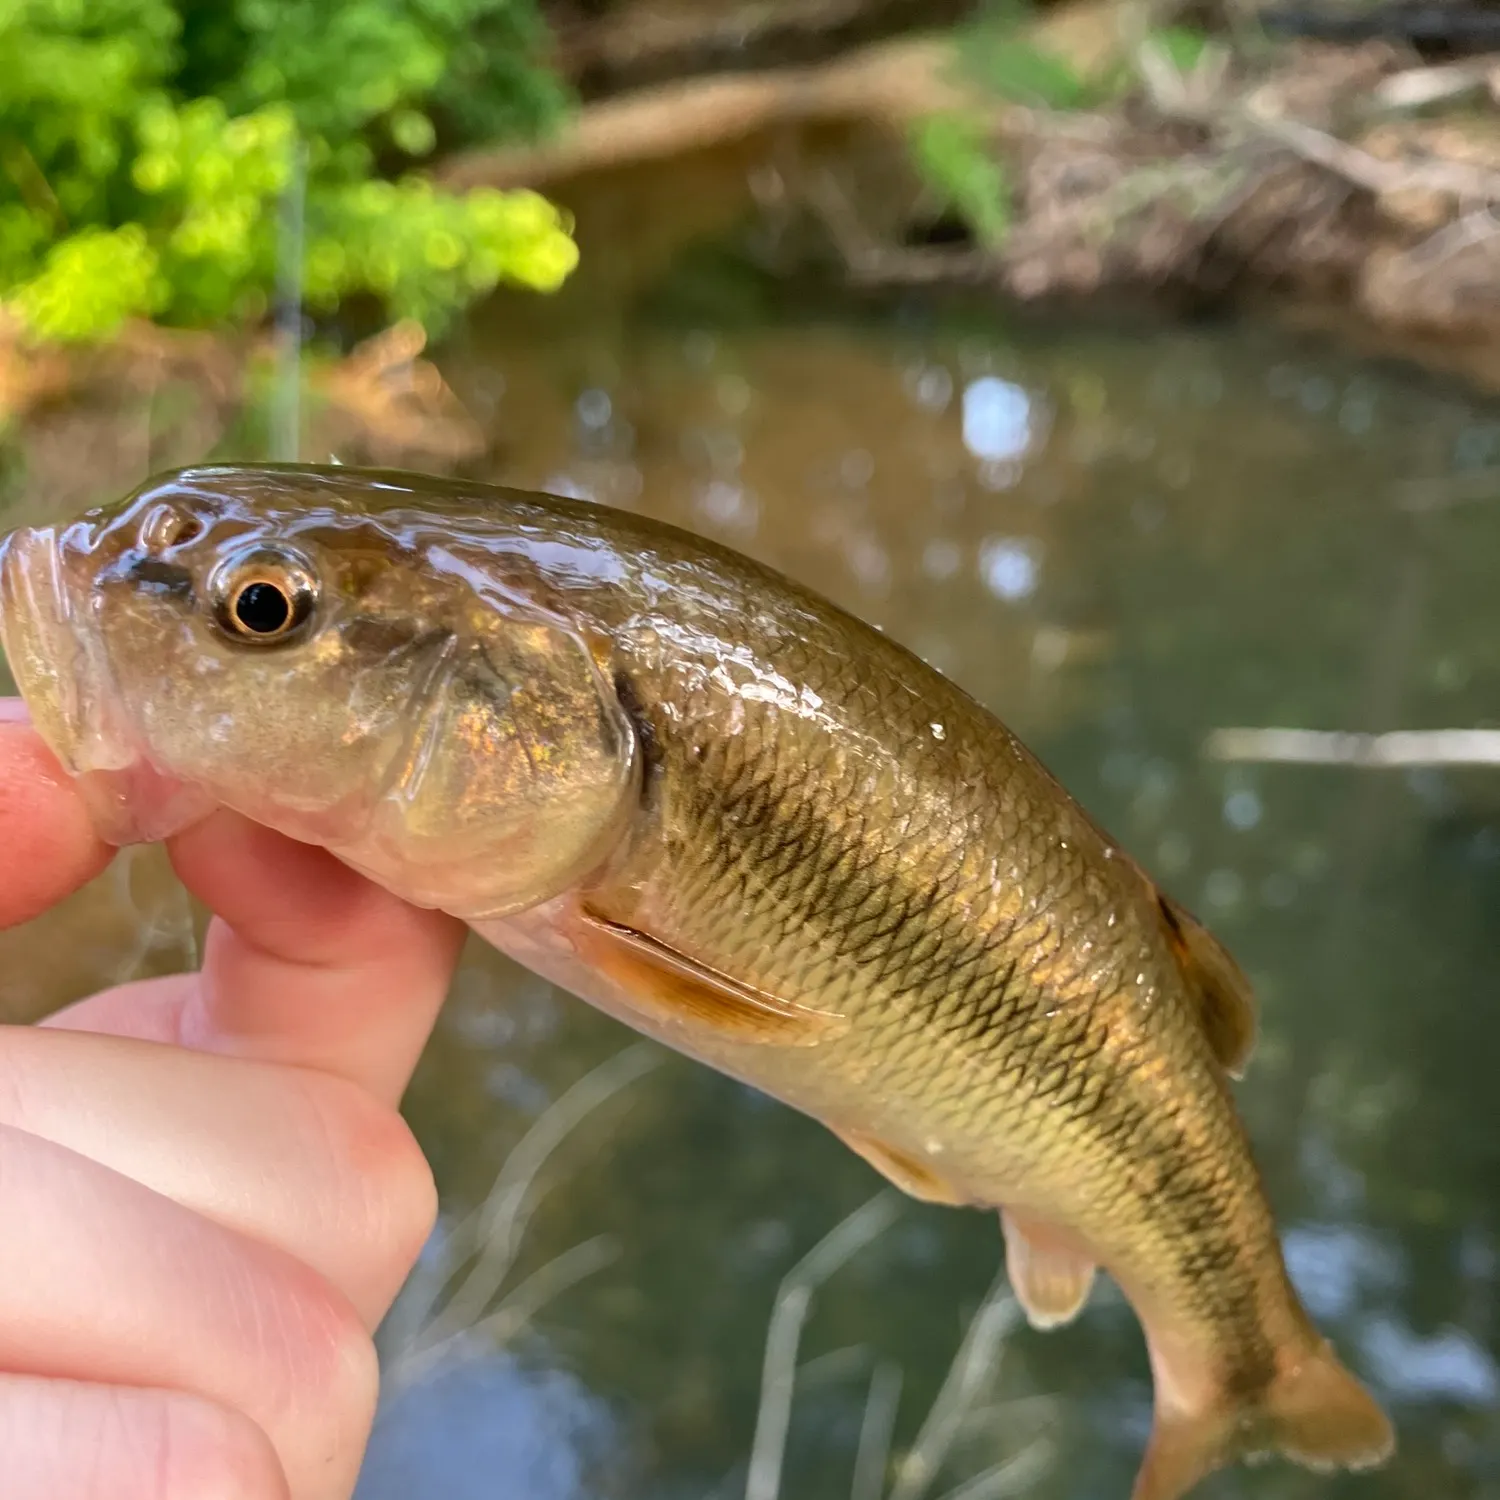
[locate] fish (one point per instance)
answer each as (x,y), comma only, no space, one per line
(702,798)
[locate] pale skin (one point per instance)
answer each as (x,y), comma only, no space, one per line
(208,1199)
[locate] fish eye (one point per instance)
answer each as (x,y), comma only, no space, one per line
(166,527)
(265,597)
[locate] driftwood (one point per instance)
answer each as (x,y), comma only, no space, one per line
(890,82)
(1400,749)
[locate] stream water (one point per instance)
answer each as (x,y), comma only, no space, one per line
(1119,535)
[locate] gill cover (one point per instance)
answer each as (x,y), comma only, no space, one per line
(517,781)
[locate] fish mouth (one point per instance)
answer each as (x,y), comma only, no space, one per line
(40,639)
(53,647)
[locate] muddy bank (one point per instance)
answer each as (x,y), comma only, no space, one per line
(1355,178)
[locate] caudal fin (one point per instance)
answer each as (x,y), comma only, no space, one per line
(1314,1413)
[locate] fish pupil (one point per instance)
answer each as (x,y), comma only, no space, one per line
(262,609)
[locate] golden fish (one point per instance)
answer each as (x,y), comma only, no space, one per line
(702,798)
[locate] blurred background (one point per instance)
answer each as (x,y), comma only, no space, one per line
(1135,363)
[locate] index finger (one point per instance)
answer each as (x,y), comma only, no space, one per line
(309,963)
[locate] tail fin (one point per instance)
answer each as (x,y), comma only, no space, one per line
(1314,1413)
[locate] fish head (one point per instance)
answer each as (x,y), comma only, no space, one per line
(334,664)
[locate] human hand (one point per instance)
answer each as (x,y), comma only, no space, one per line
(207,1197)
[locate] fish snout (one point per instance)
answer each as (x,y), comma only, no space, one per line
(58,659)
(35,631)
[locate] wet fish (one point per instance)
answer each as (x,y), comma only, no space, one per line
(738,819)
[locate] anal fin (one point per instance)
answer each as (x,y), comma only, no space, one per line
(910,1175)
(676,988)
(1050,1275)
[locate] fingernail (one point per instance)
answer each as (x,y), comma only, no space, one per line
(13,711)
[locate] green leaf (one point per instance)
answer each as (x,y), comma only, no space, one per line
(954,158)
(1182,45)
(1021,71)
(412,131)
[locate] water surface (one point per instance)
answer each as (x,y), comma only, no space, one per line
(1118,536)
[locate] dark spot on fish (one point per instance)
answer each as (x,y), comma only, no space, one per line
(168,579)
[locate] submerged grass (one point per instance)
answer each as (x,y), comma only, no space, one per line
(788,1316)
(426,1331)
(956,1410)
(456,1308)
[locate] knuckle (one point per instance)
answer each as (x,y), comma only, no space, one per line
(329,1375)
(393,1198)
(207,1452)
(354,1382)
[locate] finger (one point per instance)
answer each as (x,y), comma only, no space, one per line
(149,1010)
(70,1440)
(50,846)
(103,1280)
(297,1159)
(311,964)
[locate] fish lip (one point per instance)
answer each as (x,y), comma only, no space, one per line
(60,666)
(34,631)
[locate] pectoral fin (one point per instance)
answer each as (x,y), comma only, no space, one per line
(676,988)
(1226,1001)
(907,1173)
(1050,1275)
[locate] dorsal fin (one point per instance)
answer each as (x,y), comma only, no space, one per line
(1226,1001)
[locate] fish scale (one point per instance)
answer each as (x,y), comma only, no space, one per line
(745,820)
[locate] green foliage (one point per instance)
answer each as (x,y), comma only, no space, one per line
(146,147)
(426,251)
(344,66)
(995,52)
(1182,46)
(1017,69)
(955,160)
(91,282)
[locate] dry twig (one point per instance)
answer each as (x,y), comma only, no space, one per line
(1398,749)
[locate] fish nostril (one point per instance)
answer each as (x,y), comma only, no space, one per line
(167,528)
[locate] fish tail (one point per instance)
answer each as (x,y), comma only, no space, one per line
(1321,1417)
(1314,1413)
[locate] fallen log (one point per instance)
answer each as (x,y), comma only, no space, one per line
(1402,748)
(890,82)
